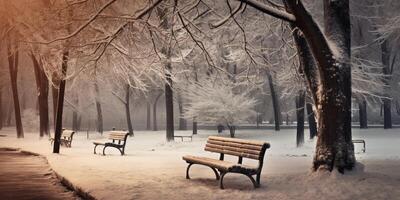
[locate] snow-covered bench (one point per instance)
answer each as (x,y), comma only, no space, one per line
(234,147)
(361,142)
(66,138)
(117,140)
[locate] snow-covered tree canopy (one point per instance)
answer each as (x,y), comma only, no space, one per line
(212,100)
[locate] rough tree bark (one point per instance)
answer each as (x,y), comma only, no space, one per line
(13,69)
(42,85)
(275,102)
(300,104)
(60,104)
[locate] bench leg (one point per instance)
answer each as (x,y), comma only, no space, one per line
(121,151)
(221,184)
(104,150)
(256,185)
(258,178)
(187,170)
(94,150)
(364,147)
(214,170)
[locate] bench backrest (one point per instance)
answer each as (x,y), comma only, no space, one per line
(237,147)
(120,136)
(68,134)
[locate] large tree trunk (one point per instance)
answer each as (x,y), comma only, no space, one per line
(312,124)
(98,109)
(334,146)
(127,110)
(60,104)
(155,128)
(42,85)
(275,102)
(169,106)
(13,68)
(300,103)
(362,105)
(167,24)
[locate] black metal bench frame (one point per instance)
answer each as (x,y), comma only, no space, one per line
(361,142)
(116,143)
(184,136)
(220,173)
(65,140)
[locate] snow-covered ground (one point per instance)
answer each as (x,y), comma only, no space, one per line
(154,169)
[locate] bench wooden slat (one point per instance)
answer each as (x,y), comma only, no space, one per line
(232,144)
(234,149)
(234,153)
(234,140)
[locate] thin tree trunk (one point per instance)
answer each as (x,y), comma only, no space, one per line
(312,124)
(98,109)
(10,111)
(362,105)
(232,130)
(275,102)
(42,85)
(182,120)
(300,103)
(60,104)
(75,120)
(127,110)
(148,117)
(13,68)
(387,111)
(194,132)
(54,92)
(155,128)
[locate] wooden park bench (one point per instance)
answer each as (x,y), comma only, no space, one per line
(117,140)
(361,142)
(234,147)
(66,138)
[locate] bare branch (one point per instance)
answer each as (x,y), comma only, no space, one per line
(270,10)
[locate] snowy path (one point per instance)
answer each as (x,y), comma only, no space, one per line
(25,176)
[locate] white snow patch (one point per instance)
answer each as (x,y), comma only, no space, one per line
(154,169)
